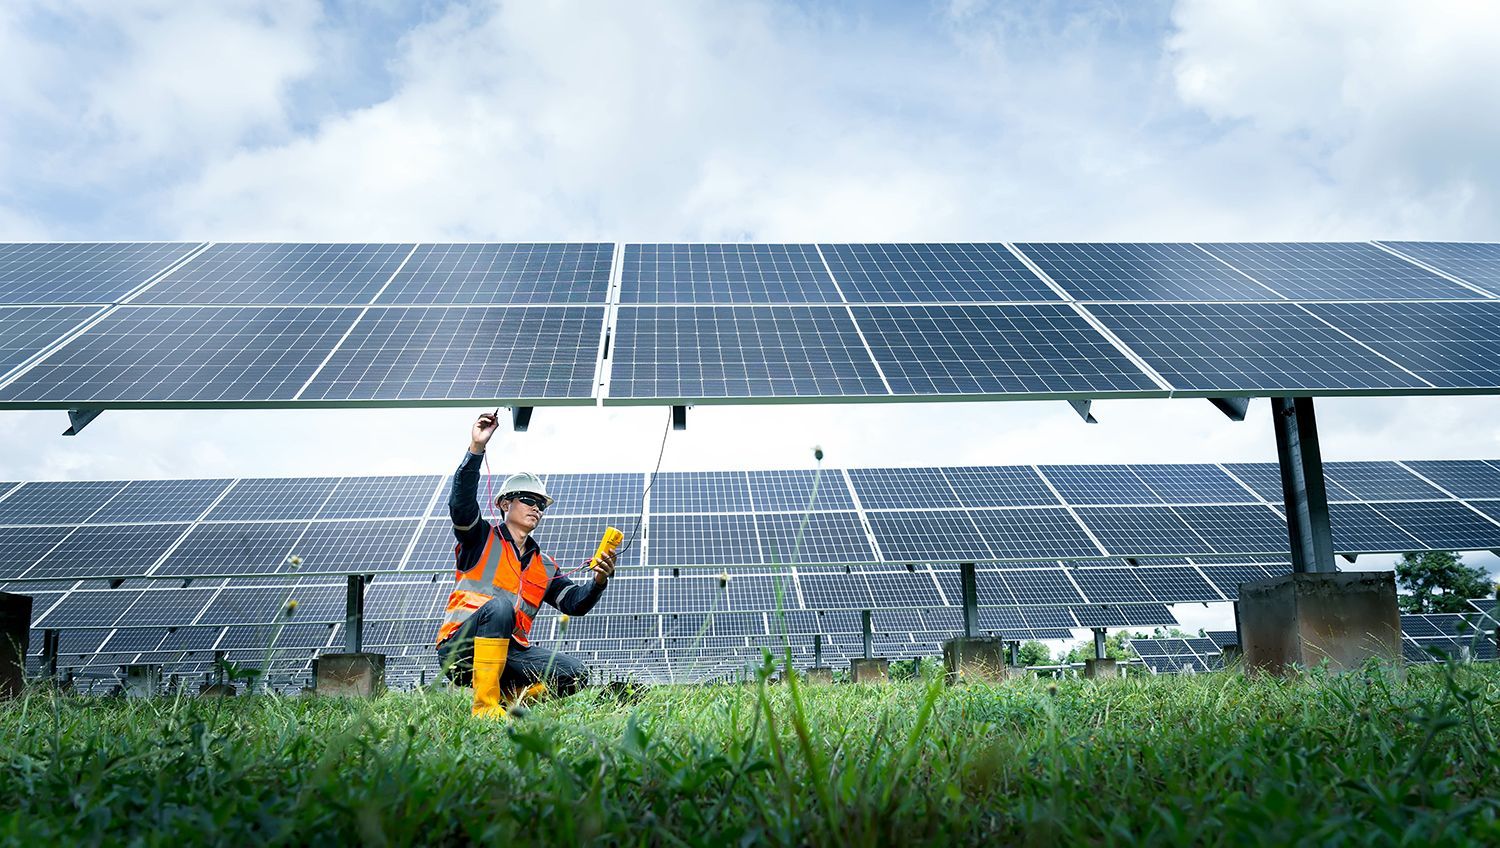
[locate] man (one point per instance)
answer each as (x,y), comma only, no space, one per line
(502,580)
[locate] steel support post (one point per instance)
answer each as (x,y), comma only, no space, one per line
(1302,485)
(969,589)
(1099,652)
(354,615)
(818,650)
(869,633)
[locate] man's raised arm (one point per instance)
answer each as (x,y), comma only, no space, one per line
(463,496)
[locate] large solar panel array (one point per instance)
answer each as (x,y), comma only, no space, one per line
(288,324)
(715,558)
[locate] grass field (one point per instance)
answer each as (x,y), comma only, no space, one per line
(1365,758)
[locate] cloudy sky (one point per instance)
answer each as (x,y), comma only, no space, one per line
(746,121)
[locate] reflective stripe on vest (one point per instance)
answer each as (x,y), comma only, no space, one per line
(498,574)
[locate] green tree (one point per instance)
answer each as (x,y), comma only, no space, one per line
(1034,653)
(1114,648)
(1438,581)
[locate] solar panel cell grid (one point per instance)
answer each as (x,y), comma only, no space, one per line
(211,354)
(112,551)
(628,596)
(1451,345)
(259,605)
(274,498)
(57,502)
(692,594)
(700,491)
(1444,525)
(999,485)
(1192,484)
(1141,531)
(792,491)
(81,273)
(20,547)
(1264,478)
(463,353)
(1099,484)
(1376,481)
(903,590)
(761,593)
(1142,272)
(593,494)
(1111,585)
(89,609)
(572,541)
(167,607)
(351,547)
(1176,584)
(1335,271)
(937,536)
(835,591)
(280,274)
(1237,529)
(1229,577)
(238,548)
(905,273)
(1464,478)
(1099,616)
(677,540)
(834,538)
(1260,348)
(725,274)
(995,350)
(1358,528)
(1477,264)
(1041,587)
(160,500)
(1040,533)
(503,274)
(380,497)
(26,330)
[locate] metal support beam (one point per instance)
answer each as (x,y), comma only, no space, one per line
(869,632)
(79,419)
(679,418)
(1099,652)
(818,650)
(1302,485)
(354,615)
(1015,653)
(969,589)
(1082,408)
(1233,407)
(51,640)
(520,418)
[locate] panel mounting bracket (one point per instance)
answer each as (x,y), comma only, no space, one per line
(79,419)
(679,417)
(520,418)
(1233,407)
(1082,408)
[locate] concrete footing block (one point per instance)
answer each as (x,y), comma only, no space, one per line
(15,634)
(142,680)
(818,674)
(976,659)
(1097,669)
(871,670)
(1306,620)
(351,675)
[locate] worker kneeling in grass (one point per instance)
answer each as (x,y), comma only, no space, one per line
(502,580)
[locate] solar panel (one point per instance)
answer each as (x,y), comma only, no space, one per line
(1003,620)
(995,350)
(700,491)
(907,273)
(1042,618)
(221,354)
(835,591)
(1335,271)
(999,485)
(1035,586)
(1040,533)
(190,639)
(1264,478)
(160,500)
(239,548)
(57,502)
(1465,478)
(761,593)
(1451,345)
(692,594)
(26,330)
(902,589)
(1260,348)
(1478,264)
(22,546)
(380,497)
(833,538)
(1111,585)
(725,274)
(1237,529)
(1102,616)
(81,273)
(792,491)
(1192,484)
(280,274)
(246,606)
(703,540)
(1099,484)
(1176,584)
(112,551)
(351,547)
(592,494)
(1490,508)
(708,352)
(134,640)
(1229,577)
(1141,531)
(901,488)
(627,595)
(572,540)
(329,603)
(1444,525)
(1142,272)
(937,536)
(1376,481)
(256,499)
(510,274)
(85,608)
(463,353)
(1358,528)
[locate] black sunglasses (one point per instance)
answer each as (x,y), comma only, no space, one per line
(531,500)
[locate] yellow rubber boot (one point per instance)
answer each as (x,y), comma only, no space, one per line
(489,662)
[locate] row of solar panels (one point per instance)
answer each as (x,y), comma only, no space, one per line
(194,528)
(289,324)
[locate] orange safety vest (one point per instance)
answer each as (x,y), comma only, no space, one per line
(499,574)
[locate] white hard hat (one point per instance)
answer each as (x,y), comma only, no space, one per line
(515,484)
